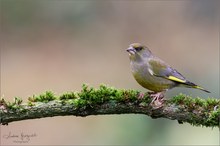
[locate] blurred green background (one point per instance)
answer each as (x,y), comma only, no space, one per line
(59,45)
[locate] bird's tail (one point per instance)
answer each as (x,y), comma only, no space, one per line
(192,85)
(200,88)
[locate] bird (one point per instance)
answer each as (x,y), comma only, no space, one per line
(154,74)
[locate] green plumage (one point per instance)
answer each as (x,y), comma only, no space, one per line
(154,74)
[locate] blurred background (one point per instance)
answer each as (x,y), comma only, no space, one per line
(59,45)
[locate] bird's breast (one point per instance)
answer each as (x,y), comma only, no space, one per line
(149,81)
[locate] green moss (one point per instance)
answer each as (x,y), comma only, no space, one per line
(78,103)
(92,97)
(198,105)
(68,95)
(178,99)
(182,99)
(16,105)
(105,93)
(17,100)
(199,102)
(214,118)
(13,105)
(30,103)
(213,101)
(88,95)
(45,97)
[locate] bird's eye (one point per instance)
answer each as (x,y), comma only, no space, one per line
(138,48)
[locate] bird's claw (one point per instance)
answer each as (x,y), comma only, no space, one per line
(158,99)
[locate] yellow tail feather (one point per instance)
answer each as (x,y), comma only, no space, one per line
(198,87)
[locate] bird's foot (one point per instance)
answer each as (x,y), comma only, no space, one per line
(158,99)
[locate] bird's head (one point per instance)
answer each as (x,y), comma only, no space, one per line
(138,52)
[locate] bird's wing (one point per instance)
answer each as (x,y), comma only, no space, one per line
(160,69)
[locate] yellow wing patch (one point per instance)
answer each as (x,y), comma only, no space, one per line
(176,79)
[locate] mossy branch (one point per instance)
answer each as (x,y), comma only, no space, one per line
(108,100)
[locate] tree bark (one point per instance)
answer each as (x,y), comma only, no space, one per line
(107,100)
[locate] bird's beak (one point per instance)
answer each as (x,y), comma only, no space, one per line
(131,51)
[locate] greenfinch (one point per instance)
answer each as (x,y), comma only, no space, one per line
(153,73)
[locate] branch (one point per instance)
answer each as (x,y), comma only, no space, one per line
(108,100)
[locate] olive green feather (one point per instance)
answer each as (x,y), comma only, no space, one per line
(153,73)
